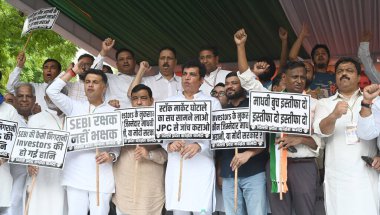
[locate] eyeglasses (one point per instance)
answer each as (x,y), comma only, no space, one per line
(216,94)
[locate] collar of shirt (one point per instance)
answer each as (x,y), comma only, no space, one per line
(159,76)
(213,73)
(356,94)
(196,96)
(120,74)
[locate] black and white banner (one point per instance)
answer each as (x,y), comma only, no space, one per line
(183,120)
(279,112)
(230,129)
(94,131)
(138,126)
(8,133)
(40,147)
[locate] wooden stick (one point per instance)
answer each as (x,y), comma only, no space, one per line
(180,179)
(97,181)
(27,41)
(135,181)
(236,183)
(30,194)
(281,135)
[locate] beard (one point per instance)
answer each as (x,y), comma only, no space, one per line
(81,76)
(239,94)
(321,65)
(265,77)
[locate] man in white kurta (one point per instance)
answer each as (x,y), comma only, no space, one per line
(198,172)
(79,173)
(166,83)
(9,113)
(350,185)
(48,196)
(25,100)
(50,70)
(209,56)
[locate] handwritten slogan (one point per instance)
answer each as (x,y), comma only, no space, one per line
(230,129)
(94,131)
(40,19)
(183,120)
(138,126)
(279,112)
(8,132)
(40,147)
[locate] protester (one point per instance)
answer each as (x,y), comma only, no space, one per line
(80,167)
(199,169)
(150,196)
(336,118)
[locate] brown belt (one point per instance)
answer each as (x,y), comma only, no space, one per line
(301,160)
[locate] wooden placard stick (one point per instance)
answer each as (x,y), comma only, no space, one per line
(97,180)
(30,194)
(27,41)
(235,184)
(135,180)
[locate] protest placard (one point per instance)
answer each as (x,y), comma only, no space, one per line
(279,112)
(8,133)
(94,131)
(230,129)
(40,19)
(40,147)
(138,126)
(183,120)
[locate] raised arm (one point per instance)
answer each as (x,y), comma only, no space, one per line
(369,119)
(144,67)
(14,77)
(62,101)
(107,45)
(293,54)
(283,33)
(327,125)
(240,38)
(365,57)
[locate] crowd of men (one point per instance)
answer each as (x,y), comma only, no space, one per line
(345,122)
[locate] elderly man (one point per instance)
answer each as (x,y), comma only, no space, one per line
(166,83)
(150,197)
(80,167)
(350,186)
(9,113)
(200,169)
(48,193)
(50,70)
(24,103)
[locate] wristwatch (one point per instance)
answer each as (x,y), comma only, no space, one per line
(113,156)
(365,105)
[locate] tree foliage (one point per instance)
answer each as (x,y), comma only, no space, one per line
(43,44)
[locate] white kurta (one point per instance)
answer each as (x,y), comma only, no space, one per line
(163,88)
(7,112)
(350,186)
(118,88)
(198,173)
(80,166)
(215,77)
(48,195)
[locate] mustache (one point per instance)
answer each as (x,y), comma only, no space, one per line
(344,76)
(166,65)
